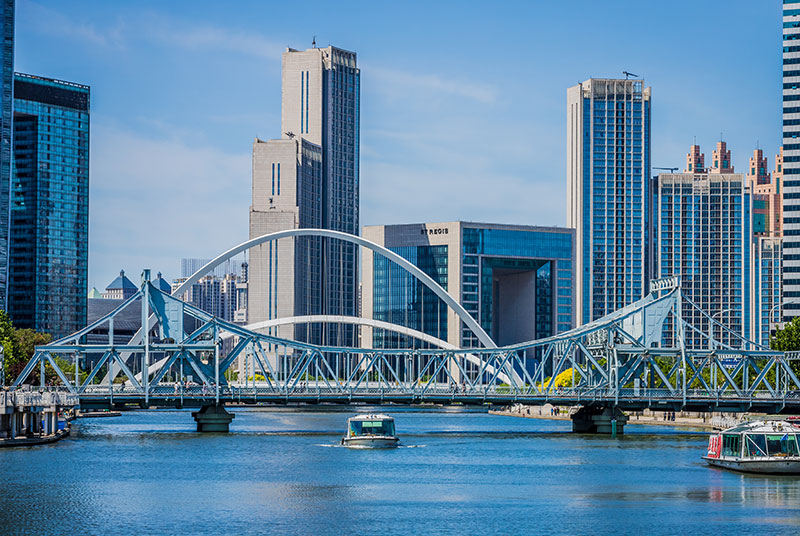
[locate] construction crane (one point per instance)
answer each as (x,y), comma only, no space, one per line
(670,169)
(627,74)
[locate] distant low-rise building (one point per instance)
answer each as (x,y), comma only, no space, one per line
(121,288)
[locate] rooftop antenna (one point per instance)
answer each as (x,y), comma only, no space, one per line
(627,75)
(695,141)
(314,42)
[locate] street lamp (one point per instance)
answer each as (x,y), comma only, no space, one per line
(713,342)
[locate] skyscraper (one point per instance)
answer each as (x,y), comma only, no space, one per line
(704,236)
(50,205)
(309,178)
(791,158)
(608,190)
(6,118)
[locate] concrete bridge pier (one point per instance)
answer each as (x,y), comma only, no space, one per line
(598,420)
(213,419)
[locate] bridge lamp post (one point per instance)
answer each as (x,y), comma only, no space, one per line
(713,341)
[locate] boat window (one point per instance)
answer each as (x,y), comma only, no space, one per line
(730,445)
(382,428)
(355,428)
(756,445)
(793,447)
(782,445)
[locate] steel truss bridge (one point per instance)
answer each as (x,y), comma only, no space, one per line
(631,359)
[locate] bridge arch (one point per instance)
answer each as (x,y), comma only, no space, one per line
(355,320)
(392,256)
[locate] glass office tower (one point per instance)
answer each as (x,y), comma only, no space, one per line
(6,129)
(517,281)
(608,191)
(50,205)
(791,159)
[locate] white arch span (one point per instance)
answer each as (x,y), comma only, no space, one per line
(308,319)
(340,319)
(392,256)
(270,237)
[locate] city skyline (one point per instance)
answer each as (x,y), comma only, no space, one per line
(414,133)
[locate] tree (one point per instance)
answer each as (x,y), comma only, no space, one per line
(788,340)
(9,343)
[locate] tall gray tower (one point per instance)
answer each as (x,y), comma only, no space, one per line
(309,178)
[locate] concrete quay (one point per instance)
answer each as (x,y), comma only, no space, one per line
(31,417)
(683,419)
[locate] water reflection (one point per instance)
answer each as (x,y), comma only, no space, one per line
(476,474)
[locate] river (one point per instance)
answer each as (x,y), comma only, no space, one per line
(281,471)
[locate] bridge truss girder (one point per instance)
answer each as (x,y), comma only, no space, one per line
(615,361)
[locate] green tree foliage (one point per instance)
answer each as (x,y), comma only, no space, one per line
(788,340)
(18,347)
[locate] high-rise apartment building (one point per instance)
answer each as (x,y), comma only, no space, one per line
(49,249)
(791,159)
(721,161)
(767,196)
(222,297)
(768,199)
(309,178)
(6,129)
(608,190)
(768,285)
(704,236)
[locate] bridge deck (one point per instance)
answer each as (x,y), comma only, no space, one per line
(626,399)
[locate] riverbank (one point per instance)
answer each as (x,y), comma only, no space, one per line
(35,440)
(683,419)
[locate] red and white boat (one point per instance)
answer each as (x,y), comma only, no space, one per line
(766,447)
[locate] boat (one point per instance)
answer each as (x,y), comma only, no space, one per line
(375,431)
(765,447)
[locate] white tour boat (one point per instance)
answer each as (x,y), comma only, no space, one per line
(370,431)
(769,447)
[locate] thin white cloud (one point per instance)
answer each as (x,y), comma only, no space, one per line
(403,82)
(151,27)
(155,200)
(52,22)
(208,37)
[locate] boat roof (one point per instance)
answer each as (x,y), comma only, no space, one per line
(763,427)
(371,417)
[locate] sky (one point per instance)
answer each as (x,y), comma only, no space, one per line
(463,104)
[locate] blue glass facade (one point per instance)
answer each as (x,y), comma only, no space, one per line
(50,205)
(609,189)
(768,281)
(516,281)
(488,254)
(400,298)
(6,119)
(340,146)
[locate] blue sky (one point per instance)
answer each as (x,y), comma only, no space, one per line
(462,103)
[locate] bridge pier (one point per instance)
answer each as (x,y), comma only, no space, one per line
(598,420)
(213,419)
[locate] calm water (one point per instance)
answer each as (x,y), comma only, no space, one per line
(281,472)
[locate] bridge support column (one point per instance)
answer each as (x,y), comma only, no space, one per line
(598,420)
(213,419)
